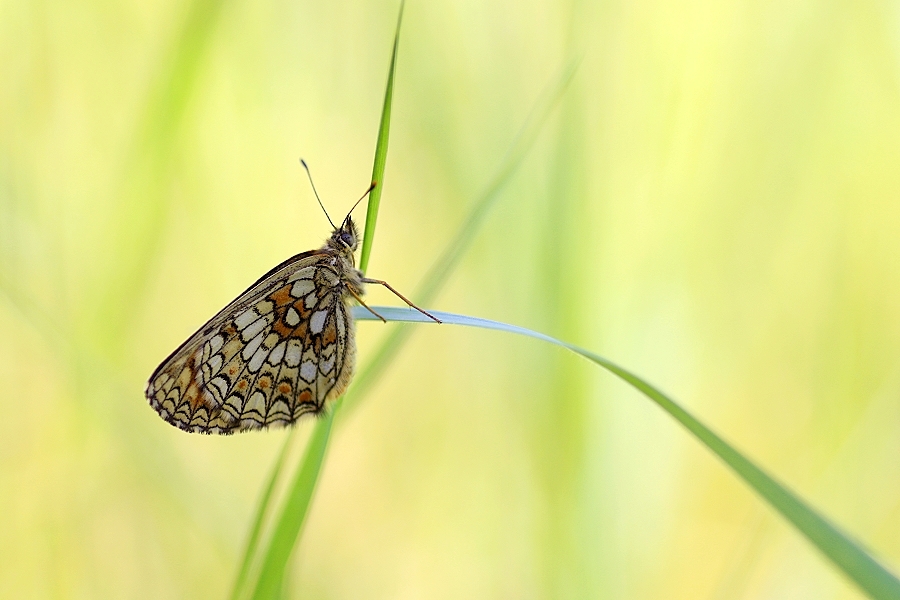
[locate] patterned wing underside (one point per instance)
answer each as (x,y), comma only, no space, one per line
(279,351)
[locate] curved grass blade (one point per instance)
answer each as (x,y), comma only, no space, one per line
(440,271)
(857,564)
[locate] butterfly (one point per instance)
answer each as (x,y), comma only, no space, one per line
(280,350)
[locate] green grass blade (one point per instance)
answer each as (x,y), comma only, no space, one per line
(847,555)
(148,172)
(293,514)
(440,271)
(255,531)
(287,529)
(381,148)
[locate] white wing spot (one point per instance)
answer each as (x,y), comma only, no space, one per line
(215,363)
(277,353)
(258,357)
(245,318)
(254,328)
(300,274)
(302,288)
(317,321)
(292,356)
(215,344)
(265,307)
(292,318)
(252,347)
(311,300)
(326,366)
(308,370)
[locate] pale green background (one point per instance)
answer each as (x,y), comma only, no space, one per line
(715,205)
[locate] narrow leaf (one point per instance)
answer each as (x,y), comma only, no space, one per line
(381,148)
(255,531)
(145,197)
(440,271)
(847,555)
(442,268)
(287,529)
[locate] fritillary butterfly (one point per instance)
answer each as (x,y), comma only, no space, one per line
(282,349)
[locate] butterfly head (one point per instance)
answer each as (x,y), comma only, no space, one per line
(345,238)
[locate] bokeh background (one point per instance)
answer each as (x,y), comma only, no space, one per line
(715,204)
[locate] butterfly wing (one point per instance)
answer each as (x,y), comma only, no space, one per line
(280,350)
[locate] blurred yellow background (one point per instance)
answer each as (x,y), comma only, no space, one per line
(715,204)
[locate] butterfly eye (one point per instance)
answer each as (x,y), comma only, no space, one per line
(347,238)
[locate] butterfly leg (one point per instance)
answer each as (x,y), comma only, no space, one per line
(401,296)
(360,300)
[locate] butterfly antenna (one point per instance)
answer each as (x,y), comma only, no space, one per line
(308,174)
(368,191)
